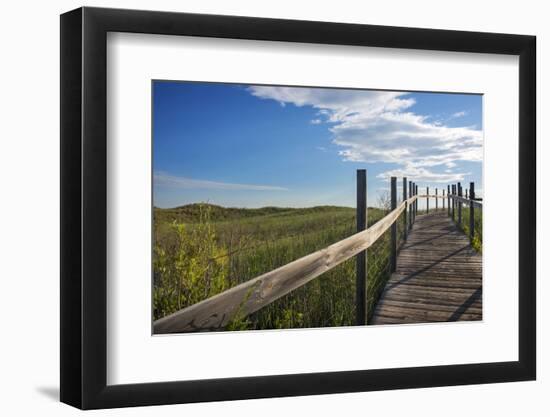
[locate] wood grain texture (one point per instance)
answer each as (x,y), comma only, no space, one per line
(240,301)
(438,276)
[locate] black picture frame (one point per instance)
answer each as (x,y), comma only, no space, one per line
(84,207)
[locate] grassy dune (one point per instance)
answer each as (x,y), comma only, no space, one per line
(201,250)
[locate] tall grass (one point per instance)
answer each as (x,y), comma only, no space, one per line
(477,241)
(188,266)
(199,255)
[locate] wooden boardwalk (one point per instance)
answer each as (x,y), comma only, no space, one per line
(438,276)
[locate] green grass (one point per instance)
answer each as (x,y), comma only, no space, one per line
(477,241)
(201,250)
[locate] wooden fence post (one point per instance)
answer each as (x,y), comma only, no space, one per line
(427,200)
(459,205)
(436,203)
(361,258)
(472,196)
(443,198)
(453,201)
(448,200)
(405,230)
(393,242)
(416,202)
(411,207)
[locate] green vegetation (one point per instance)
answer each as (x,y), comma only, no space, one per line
(201,250)
(478,226)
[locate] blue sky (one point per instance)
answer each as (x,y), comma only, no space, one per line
(254,146)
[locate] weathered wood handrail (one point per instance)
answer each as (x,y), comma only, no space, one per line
(476,202)
(447,196)
(238,302)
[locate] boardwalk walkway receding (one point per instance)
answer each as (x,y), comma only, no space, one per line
(438,276)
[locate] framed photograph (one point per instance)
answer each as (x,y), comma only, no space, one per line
(257,208)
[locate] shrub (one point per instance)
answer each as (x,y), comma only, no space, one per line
(188,266)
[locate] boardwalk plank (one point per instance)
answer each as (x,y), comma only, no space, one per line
(428,301)
(473,309)
(424,316)
(438,276)
(434,283)
(454,294)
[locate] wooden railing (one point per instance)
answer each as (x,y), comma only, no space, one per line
(250,296)
(455,203)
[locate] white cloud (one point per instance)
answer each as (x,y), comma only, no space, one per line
(420,174)
(376,126)
(316,121)
(167,180)
(458,114)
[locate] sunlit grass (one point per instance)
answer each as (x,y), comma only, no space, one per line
(204,250)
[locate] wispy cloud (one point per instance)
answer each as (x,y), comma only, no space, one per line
(316,121)
(378,126)
(458,114)
(425,175)
(167,180)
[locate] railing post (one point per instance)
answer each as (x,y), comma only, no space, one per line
(436,202)
(405,230)
(443,199)
(448,200)
(411,207)
(454,201)
(459,205)
(427,200)
(393,242)
(472,196)
(416,202)
(361,258)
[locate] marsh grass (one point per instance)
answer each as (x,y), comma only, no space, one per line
(477,241)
